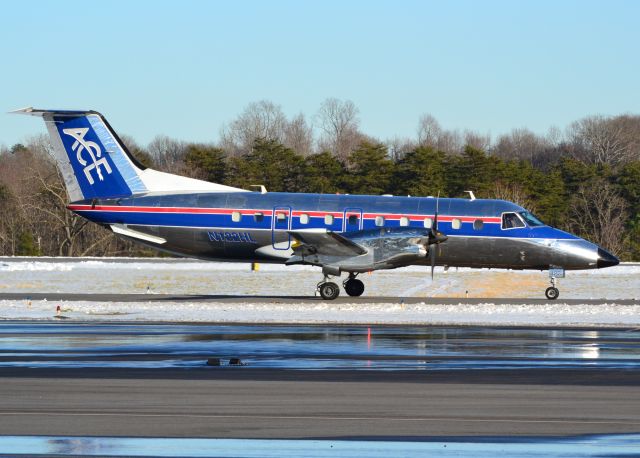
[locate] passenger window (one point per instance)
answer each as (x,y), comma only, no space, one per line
(404,221)
(235,217)
(258,217)
(353,219)
(477,224)
(428,223)
(456,223)
(304,218)
(511,221)
(379,221)
(328,220)
(281,216)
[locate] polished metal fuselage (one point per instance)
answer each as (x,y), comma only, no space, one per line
(255,227)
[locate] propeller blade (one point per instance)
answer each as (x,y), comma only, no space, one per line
(435,217)
(435,237)
(432,255)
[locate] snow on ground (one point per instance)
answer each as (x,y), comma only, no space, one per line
(193,277)
(552,314)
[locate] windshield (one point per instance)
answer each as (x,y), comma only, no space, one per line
(531,220)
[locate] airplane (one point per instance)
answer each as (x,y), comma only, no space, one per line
(340,234)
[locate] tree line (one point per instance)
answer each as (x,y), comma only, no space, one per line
(585,179)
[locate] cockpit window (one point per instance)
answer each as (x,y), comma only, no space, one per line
(531,220)
(511,221)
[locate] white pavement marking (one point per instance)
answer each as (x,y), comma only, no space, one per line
(322,417)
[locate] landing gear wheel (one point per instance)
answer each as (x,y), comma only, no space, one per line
(329,290)
(552,293)
(354,287)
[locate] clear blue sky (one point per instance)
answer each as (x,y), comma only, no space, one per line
(183,68)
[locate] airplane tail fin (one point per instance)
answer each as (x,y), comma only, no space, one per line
(96,164)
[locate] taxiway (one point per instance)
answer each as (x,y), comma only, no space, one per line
(88,379)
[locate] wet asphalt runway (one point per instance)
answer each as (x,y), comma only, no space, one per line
(88,379)
(93,297)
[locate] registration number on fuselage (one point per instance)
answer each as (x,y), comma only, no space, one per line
(237,237)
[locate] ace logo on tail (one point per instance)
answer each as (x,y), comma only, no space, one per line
(96,161)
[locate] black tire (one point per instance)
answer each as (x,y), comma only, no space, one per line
(354,287)
(329,290)
(552,293)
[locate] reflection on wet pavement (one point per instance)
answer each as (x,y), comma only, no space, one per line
(584,446)
(313,347)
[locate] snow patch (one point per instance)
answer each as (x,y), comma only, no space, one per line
(552,314)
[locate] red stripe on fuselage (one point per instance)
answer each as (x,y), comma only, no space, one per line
(313,214)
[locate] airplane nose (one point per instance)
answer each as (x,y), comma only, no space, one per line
(606,259)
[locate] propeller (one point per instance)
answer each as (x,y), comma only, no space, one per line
(435,237)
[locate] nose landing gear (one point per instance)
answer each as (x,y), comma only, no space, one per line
(552,292)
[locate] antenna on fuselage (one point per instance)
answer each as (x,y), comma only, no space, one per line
(259,187)
(471,195)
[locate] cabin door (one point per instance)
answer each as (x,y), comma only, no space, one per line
(280,223)
(352,219)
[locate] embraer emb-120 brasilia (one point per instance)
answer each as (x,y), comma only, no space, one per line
(339,233)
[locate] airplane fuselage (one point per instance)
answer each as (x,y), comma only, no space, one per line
(253,226)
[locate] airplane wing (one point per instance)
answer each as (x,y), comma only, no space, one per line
(326,243)
(362,251)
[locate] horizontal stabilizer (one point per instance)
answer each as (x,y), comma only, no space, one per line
(124,230)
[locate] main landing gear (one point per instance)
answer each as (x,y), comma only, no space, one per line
(330,290)
(353,286)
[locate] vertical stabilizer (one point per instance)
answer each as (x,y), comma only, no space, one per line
(96,164)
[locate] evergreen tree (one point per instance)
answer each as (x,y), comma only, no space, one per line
(473,171)
(322,173)
(574,174)
(371,170)
(206,162)
(269,163)
(629,183)
(422,172)
(548,193)
(26,245)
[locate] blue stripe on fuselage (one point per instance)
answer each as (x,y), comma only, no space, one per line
(411,206)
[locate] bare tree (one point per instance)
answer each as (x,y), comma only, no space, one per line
(554,136)
(598,213)
(167,153)
(477,140)
(429,131)
(262,119)
(450,141)
(604,140)
(514,192)
(398,147)
(339,123)
(47,198)
(630,133)
(48,202)
(298,135)
(520,144)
